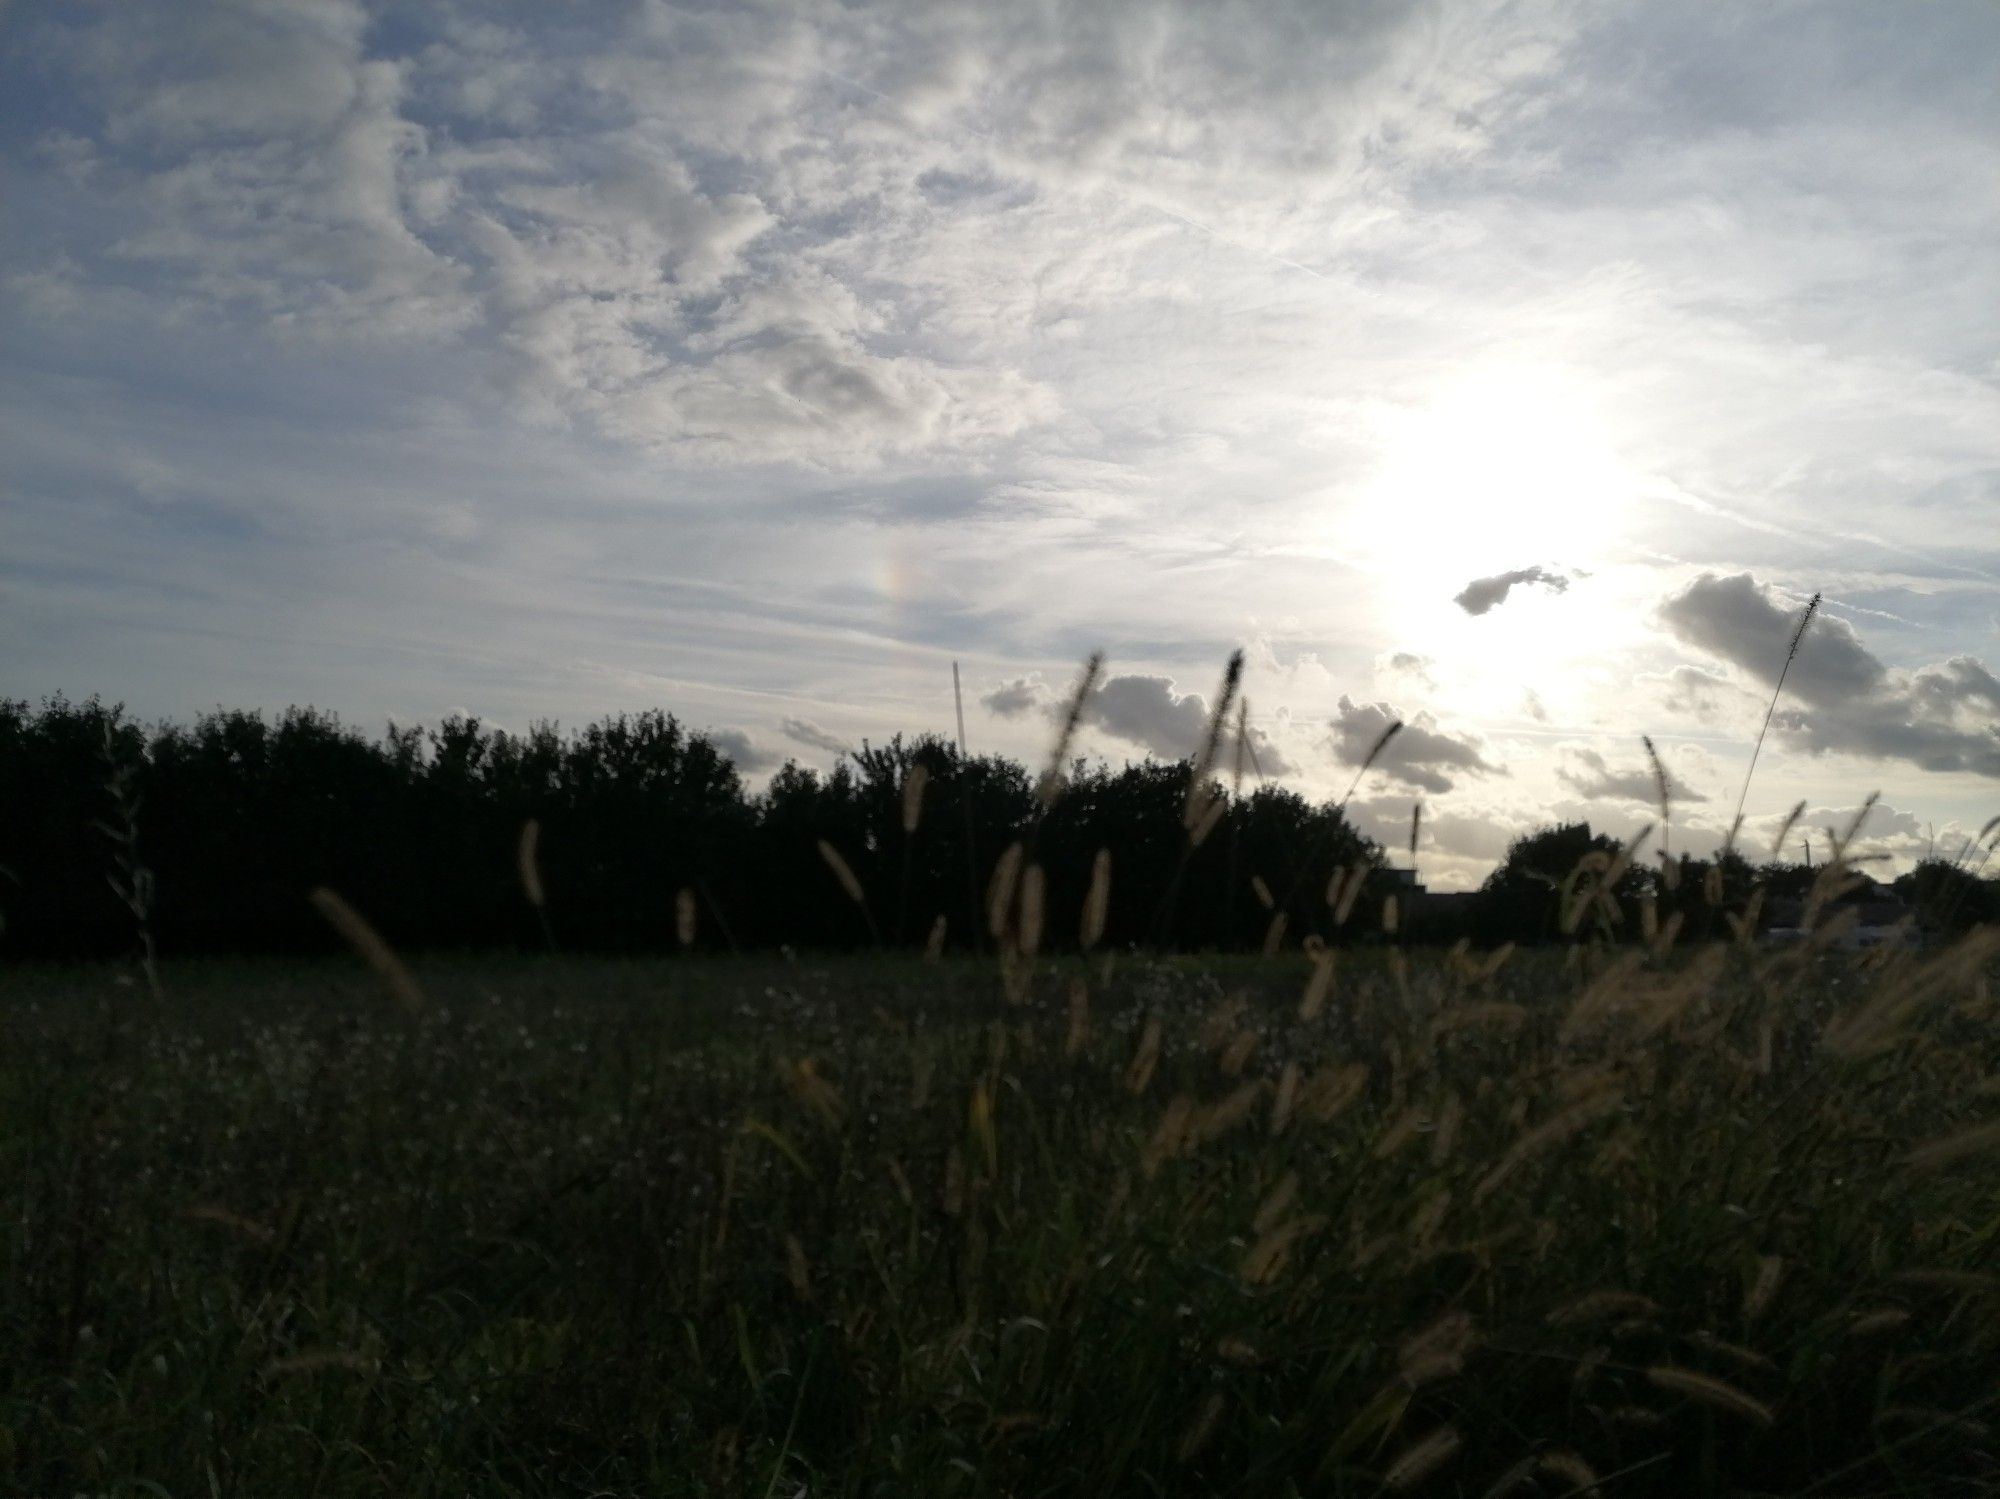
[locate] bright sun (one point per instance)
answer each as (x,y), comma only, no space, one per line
(1506,467)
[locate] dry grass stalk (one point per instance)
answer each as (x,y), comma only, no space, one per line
(1000,891)
(1438,1351)
(1236,1055)
(1881,1321)
(979,1124)
(368,944)
(842,872)
(1079,1019)
(1791,654)
(1429,1218)
(1600,1306)
(1274,935)
(1216,808)
(1096,901)
(684,916)
(1570,1468)
(1763,1287)
(236,1223)
(1444,1130)
(1145,1057)
(1381,743)
(1199,793)
(1277,1204)
(1423,1458)
(344,1360)
(796,1270)
(914,783)
(811,1091)
(934,943)
(1331,1090)
(1349,892)
(1050,785)
(1229,1113)
(527,862)
(1318,986)
(1267,1258)
(1391,912)
(1661,789)
(1034,895)
(1263,892)
(1573,1120)
(1785,830)
(1710,1391)
(1171,1134)
(1975,1140)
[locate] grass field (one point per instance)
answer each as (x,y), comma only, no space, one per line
(1689,1223)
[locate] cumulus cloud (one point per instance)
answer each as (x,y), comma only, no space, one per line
(1018,696)
(1839,696)
(1586,772)
(742,751)
(1149,712)
(1421,755)
(812,736)
(1482,594)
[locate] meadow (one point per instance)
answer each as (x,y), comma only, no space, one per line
(1626,1219)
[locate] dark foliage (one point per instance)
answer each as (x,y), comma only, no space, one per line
(236,817)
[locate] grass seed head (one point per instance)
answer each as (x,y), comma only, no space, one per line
(1707,1390)
(528,863)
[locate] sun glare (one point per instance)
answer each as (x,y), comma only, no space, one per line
(1506,467)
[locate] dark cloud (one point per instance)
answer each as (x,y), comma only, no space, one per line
(1147,711)
(1734,618)
(812,736)
(1482,594)
(1532,705)
(1419,756)
(1416,668)
(1020,695)
(741,751)
(1839,696)
(1588,774)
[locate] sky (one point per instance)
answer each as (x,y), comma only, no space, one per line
(1515,370)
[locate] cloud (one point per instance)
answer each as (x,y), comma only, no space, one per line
(741,751)
(1147,711)
(1018,696)
(1588,774)
(1416,668)
(812,736)
(1696,691)
(1482,594)
(1839,696)
(1420,755)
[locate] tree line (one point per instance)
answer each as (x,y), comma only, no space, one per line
(119,838)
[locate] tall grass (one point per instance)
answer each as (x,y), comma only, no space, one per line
(1610,1217)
